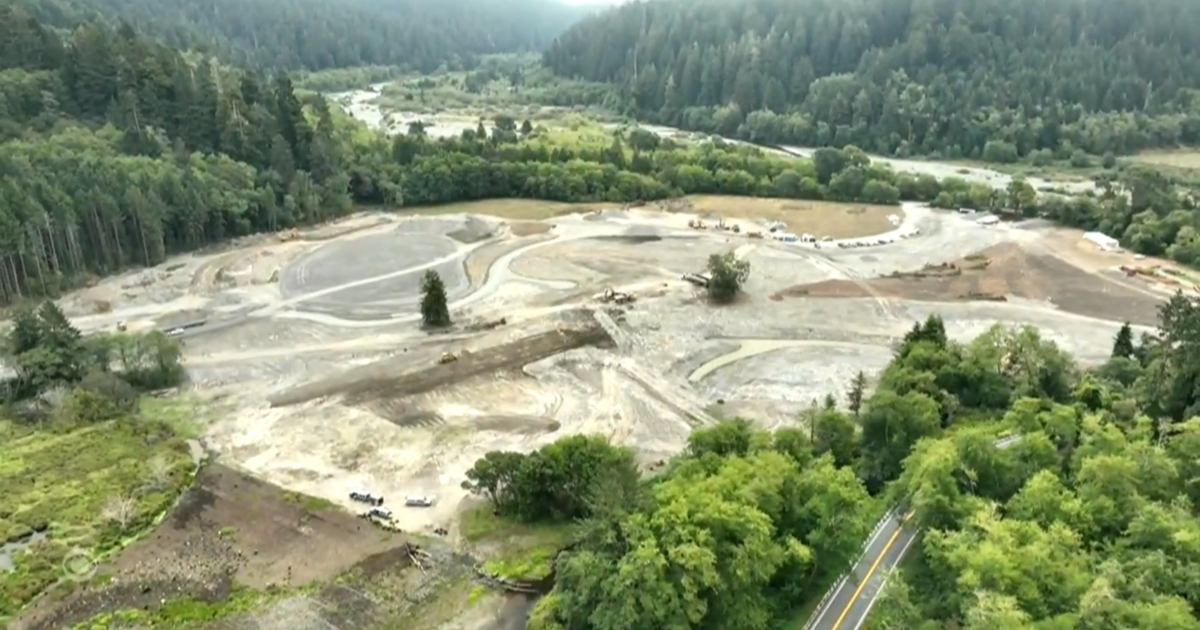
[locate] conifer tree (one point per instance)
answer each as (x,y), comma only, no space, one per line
(1123,344)
(854,397)
(435,311)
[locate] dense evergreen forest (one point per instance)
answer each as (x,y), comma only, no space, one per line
(984,79)
(317,34)
(1087,521)
(117,151)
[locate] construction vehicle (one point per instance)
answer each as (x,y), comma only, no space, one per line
(696,224)
(737,229)
(754,234)
(698,279)
(614,296)
(447,357)
(121,326)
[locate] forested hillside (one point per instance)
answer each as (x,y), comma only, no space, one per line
(902,77)
(318,34)
(117,151)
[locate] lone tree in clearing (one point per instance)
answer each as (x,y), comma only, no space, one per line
(1123,344)
(435,311)
(727,273)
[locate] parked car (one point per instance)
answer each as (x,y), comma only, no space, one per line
(380,512)
(363,496)
(418,501)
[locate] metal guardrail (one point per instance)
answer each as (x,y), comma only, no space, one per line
(1000,443)
(837,585)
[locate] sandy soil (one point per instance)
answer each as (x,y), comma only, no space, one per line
(330,384)
(996,273)
(368,405)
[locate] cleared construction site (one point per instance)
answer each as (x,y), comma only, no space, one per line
(582,323)
(308,350)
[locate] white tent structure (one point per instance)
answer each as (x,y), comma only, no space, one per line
(1105,242)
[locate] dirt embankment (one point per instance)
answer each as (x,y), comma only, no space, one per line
(403,376)
(228,530)
(996,274)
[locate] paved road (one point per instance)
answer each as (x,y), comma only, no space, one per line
(848,604)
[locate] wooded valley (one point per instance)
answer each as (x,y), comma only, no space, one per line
(120,151)
(981,79)
(132,131)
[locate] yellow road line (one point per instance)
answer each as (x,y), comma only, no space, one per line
(871,571)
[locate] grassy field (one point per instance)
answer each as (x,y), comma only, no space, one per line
(1056,172)
(1188,159)
(513,209)
(542,95)
(89,491)
(514,550)
(823,218)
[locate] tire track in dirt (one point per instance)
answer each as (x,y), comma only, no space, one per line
(677,401)
(753,347)
(886,307)
(603,419)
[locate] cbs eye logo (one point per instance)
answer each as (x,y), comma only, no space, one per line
(78,565)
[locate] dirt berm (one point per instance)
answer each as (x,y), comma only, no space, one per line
(402,376)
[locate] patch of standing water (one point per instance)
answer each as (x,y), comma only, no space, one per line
(10,550)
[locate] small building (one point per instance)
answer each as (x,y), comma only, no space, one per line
(1103,241)
(988,220)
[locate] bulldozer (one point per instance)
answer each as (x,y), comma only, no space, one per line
(754,234)
(447,357)
(615,297)
(696,224)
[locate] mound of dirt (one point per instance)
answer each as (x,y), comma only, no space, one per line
(472,231)
(995,274)
(505,356)
(229,529)
(420,371)
(462,228)
(528,228)
(643,230)
(628,239)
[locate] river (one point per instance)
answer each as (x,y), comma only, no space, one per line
(361,105)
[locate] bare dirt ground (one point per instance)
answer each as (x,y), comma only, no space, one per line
(995,274)
(230,530)
(327,383)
